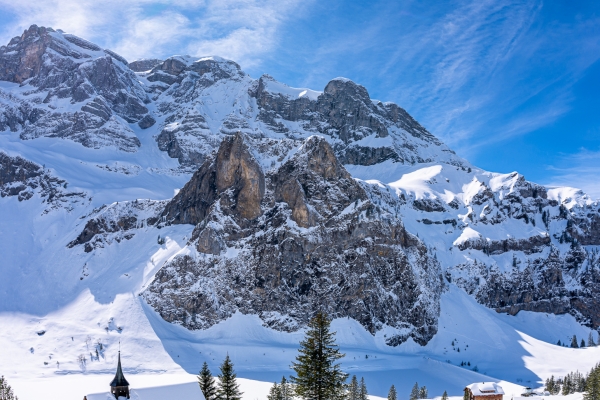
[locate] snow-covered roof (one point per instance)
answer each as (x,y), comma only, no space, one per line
(485,389)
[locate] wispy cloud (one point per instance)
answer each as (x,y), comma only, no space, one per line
(475,73)
(243,30)
(580,170)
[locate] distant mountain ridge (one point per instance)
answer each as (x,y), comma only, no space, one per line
(299,199)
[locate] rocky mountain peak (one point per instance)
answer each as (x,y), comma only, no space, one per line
(232,174)
(209,69)
(237,170)
(346,87)
(311,178)
(21,59)
(144,64)
(63,70)
(25,55)
(319,157)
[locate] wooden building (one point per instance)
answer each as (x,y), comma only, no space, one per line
(119,386)
(484,391)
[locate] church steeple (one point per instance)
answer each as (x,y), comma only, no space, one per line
(119,385)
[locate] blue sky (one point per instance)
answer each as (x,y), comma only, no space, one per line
(509,85)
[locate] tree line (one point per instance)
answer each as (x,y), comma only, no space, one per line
(575,344)
(576,382)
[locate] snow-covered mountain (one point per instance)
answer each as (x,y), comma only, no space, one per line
(183,193)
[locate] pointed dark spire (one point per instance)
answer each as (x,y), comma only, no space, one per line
(119,377)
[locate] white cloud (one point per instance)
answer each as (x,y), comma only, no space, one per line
(243,30)
(580,170)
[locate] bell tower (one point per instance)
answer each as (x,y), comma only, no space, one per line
(119,386)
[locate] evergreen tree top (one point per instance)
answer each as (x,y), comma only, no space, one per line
(318,376)
(228,388)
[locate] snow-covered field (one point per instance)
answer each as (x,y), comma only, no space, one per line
(508,349)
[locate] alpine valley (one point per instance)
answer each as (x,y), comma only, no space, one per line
(187,211)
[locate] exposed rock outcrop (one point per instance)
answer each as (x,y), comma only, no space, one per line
(117,222)
(313,243)
(22,178)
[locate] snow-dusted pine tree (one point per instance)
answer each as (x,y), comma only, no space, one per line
(363,390)
(392,395)
(207,383)
(592,384)
(414,393)
(574,342)
(228,388)
(353,389)
(6,392)
(318,377)
(286,389)
(274,392)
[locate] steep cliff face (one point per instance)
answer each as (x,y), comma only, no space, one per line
(310,240)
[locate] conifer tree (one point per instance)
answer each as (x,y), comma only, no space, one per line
(592,384)
(6,392)
(207,383)
(466,395)
(423,392)
(591,342)
(318,377)
(363,390)
(274,392)
(286,389)
(414,393)
(228,386)
(353,389)
(445,395)
(566,389)
(574,342)
(582,344)
(392,394)
(550,385)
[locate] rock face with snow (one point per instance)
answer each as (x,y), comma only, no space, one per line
(300,238)
(299,199)
(69,88)
(201,100)
(23,179)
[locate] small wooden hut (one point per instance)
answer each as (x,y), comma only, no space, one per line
(484,391)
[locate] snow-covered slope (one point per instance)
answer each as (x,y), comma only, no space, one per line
(93,156)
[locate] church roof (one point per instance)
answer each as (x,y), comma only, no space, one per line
(119,379)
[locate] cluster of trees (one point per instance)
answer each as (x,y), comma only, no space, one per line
(6,392)
(418,392)
(318,375)
(227,389)
(282,391)
(575,382)
(592,384)
(575,344)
